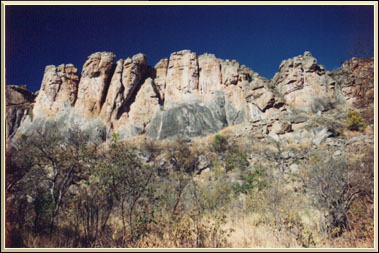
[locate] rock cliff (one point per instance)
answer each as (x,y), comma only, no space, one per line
(19,103)
(185,95)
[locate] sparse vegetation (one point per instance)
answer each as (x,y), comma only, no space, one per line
(70,192)
(355,121)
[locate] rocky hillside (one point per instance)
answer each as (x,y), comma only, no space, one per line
(216,155)
(187,95)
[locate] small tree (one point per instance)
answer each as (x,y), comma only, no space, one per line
(183,167)
(131,184)
(331,184)
(57,162)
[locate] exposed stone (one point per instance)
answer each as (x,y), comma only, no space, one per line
(182,76)
(126,80)
(59,89)
(294,167)
(229,72)
(281,127)
(320,136)
(19,102)
(337,153)
(188,96)
(255,114)
(186,120)
(145,106)
(94,82)
(160,76)
(303,84)
(17,95)
(266,100)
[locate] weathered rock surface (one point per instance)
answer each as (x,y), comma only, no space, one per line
(355,85)
(126,80)
(304,84)
(185,95)
(281,127)
(59,89)
(19,101)
(94,82)
(209,73)
(360,83)
(182,78)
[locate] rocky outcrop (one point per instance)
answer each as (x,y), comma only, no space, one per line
(19,103)
(59,89)
(126,80)
(355,85)
(185,95)
(94,82)
(358,87)
(303,84)
(182,79)
(142,111)
(161,69)
(209,73)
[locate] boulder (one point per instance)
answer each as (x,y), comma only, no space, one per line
(281,127)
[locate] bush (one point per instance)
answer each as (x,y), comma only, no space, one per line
(220,143)
(251,178)
(355,121)
(333,187)
(235,159)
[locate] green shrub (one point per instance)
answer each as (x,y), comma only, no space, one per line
(251,178)
(355,121)
(219,143)
(235,159)
(115,137)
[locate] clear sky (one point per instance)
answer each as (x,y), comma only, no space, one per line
(259,37)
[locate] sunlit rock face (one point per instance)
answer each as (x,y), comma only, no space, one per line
(304,85)
(185,95)
(59,89)
(94,83)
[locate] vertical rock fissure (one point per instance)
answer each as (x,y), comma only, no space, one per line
(107,84)
(128,102)
(77,90)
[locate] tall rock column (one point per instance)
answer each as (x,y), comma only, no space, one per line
(93,86)
(58,90)
(209,73)
(126,80)
(182,76)
(161,69)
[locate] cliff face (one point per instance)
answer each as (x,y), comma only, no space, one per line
(185,95)
(19,101)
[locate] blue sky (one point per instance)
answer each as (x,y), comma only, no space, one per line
(259,37)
